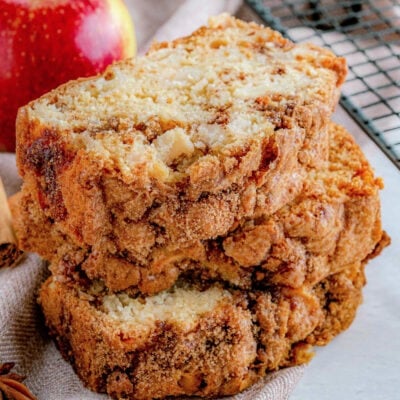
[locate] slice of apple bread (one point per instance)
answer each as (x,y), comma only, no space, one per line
(193,340)
(183,138)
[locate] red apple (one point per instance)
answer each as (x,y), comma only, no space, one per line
(44,43)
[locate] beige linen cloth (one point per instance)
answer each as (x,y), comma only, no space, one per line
(23,337)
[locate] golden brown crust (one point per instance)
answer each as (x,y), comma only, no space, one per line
(335,221)
(340,296)
(226,350)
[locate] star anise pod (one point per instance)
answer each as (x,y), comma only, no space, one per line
(11,386)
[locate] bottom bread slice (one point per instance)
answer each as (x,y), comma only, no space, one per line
(191,340)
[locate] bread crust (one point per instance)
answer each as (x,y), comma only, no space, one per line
(334,221)
(223,352)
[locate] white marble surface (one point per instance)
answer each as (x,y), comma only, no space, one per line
(363,362)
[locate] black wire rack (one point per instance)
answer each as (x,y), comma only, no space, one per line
(367,34)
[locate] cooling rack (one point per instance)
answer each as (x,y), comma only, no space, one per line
(367,34)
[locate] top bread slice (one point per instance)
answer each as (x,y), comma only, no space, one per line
(197,125)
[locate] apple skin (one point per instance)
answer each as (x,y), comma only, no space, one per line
(44,43)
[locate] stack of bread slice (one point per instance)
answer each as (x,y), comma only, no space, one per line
(204,220)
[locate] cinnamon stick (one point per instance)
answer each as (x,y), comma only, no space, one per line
(10,255)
